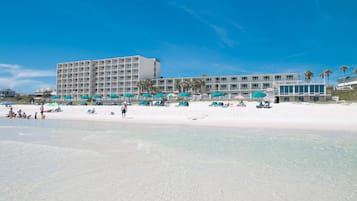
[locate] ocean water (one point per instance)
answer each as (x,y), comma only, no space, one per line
(80,160)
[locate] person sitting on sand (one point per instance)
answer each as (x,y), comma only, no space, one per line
(11,113)
(92,111)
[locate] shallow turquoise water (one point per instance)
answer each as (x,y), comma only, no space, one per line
(291,162)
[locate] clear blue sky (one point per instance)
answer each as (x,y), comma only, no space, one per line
(190,38)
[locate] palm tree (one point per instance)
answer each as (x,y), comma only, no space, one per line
(322,75)
(197,85)
(145,85)
(344,68)
(185,85)
(327,72)
(149,84)
(141,86)
(177,85)
(308,75)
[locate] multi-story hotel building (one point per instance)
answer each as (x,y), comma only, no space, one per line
(105,76)
(121,75)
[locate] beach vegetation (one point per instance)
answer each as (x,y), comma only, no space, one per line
(308,75)
(343,69)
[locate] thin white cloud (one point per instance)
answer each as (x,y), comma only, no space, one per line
(34,73)
(15,76)
(220,31)
(10,66)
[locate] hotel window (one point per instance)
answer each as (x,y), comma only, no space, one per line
(255,86)
(255,78)
(277,77)
(322,89)
(266,78)
(223,86)
(244,78)
(244,86)
(266,85)
(289,77)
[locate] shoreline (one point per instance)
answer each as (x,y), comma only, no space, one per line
(302,116)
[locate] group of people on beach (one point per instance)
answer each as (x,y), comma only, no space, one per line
(21,114)
(124,109)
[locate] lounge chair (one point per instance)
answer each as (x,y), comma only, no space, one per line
(144,102)
(183,103)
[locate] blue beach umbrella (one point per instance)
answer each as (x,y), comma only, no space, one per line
(259,94)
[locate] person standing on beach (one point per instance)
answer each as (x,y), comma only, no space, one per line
(42,110)
(124,109)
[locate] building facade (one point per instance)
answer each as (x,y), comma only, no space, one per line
(5,93)
(105,76)
(121,75)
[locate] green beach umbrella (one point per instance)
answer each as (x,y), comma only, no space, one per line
(67,97)
(146,95)
(159,95)
(96,96)
(259,94)
(85,97)
(217,94)
(113,96)
(128,95)
(55,97)
(171,95)
(184,94)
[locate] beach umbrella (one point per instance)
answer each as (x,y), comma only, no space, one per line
(171,95)
(128,95)
(240,97)
(113,96)
(217,94)
(52,104)
(55,97)
(184,94)
(96,96)
(146,95)
(159,95)
(259,94)
(85,97)
(269,89)
(67,97)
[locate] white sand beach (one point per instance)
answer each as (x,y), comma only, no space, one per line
(283,115)
(195,153)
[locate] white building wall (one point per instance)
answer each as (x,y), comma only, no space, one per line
(149,68)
